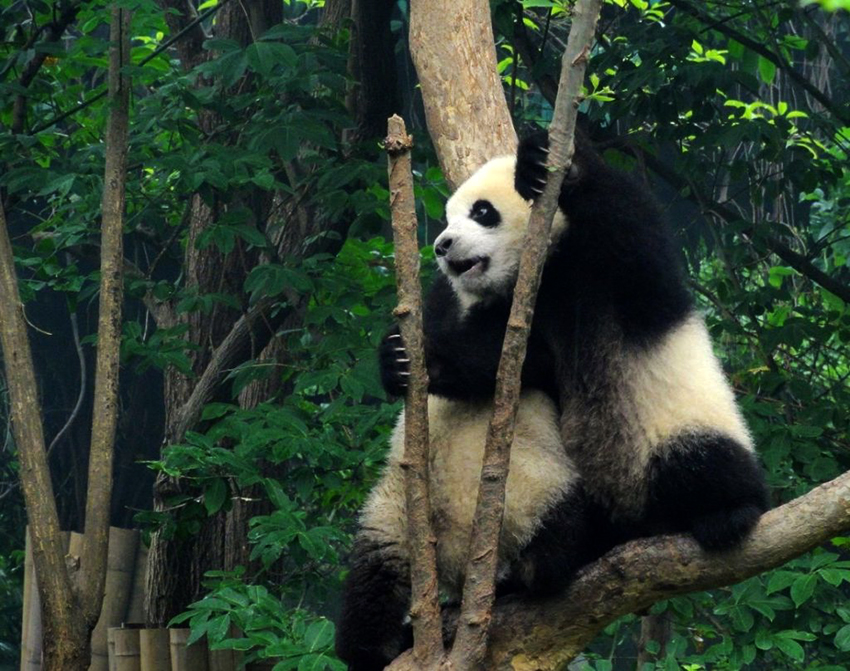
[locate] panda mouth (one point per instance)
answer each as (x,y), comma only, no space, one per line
(475,265)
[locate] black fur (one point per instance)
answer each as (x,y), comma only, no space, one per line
(562,545)
(617,259)
(485,214)
(613,283)
(371,631)
(462,355)
(707,485)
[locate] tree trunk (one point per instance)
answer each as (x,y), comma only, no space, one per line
(70,608)
(226,338)
(452,45)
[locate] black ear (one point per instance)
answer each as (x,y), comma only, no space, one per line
(530,175)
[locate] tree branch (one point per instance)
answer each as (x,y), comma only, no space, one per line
(54,33)
(762,51)
(794,259)
(479,589)
(546,635)
(425,607)
(105,413)
(25,412)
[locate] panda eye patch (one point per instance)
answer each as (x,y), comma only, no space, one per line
(483,212)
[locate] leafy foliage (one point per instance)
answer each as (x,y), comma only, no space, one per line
(736,111)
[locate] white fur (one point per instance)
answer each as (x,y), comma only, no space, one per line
(501,244)
(679,387)
(540,475)
(669,391)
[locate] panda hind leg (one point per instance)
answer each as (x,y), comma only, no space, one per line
(724,529)
(708,485)
(561,546)
(370,630)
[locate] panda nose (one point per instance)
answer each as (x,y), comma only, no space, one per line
(442,246)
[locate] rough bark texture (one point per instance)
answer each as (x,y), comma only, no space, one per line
(479,589)
(452,45)
(68,613)
(422,544)
(65,643)
(227,337)
(105,414)
(546,635)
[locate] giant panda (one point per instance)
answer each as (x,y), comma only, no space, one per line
(545,533)
(645,410)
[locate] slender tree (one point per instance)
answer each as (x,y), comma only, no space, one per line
(71,600)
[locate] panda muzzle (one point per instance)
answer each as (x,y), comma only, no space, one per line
(459,267)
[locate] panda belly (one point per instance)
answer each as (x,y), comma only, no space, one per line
(541,476)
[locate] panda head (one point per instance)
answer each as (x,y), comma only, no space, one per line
(486,222)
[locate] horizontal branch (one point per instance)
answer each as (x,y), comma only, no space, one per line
(545,635)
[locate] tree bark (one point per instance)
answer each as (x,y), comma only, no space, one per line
(479,588)
(70,612)
(655,628)
(422,544)
(452,45)
(546,635)
(105,413)
(374,96)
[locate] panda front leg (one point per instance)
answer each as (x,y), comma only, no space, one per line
(371,631)
(709,485)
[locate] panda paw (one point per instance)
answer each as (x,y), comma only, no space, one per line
(394,363)
(531,174)
(724,529)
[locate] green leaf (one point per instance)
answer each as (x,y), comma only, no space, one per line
(764,639)
(781,580)
(767,70)
(842,638)
(216,410)
(803,588)
(319,635)
(214,495)
(791,648)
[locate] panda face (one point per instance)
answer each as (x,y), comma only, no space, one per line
(479,250)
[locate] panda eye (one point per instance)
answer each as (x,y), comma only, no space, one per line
(483,213)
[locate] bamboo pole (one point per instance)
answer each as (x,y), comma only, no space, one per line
(186,657)
(155,651)
(136,608)
(120,569)
(127,653)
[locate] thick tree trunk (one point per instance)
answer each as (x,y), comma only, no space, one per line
(374,96)
(226,338)
(176,567)
(451,42)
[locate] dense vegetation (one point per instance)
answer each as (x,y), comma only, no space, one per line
(734,112)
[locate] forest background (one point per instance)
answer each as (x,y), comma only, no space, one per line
(259,280)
